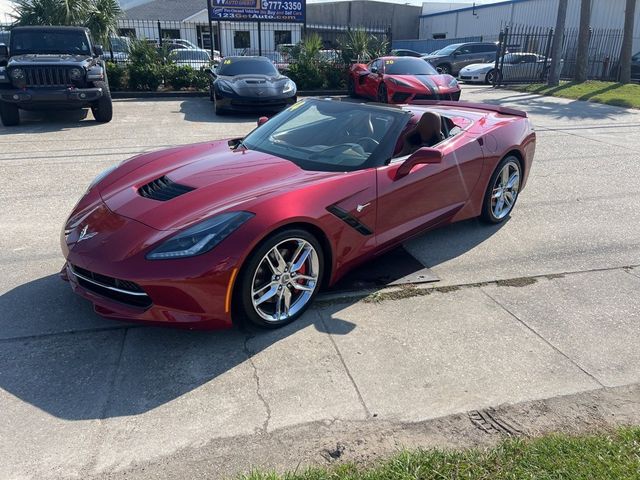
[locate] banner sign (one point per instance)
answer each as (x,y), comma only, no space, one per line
(258,10)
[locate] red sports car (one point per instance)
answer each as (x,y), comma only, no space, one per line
(401,80)
(251,228)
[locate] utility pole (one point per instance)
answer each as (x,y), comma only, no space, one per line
(556,49)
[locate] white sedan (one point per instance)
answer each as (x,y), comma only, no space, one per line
(517,66)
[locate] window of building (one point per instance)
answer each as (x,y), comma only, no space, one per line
(281,37)
(439,36)
(241,39)
(172,33)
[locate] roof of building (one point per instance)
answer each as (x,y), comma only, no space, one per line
(476,7)
(167,10)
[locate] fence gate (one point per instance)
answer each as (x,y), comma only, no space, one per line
(524,55)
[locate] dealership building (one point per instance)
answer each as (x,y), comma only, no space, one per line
(446,20)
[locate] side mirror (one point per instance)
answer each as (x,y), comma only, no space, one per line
(262,120)
(423,156)
(98,51)
(211,73)
(455,54)
(373,70)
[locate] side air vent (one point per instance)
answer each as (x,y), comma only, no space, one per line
(349,220)
(163,189)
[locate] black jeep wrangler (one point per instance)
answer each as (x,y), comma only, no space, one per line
(52,68)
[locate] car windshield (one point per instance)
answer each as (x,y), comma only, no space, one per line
(450,49)
(42,41)
(326,135)
(197,55)
(408,66)
(119,44)
(232,66)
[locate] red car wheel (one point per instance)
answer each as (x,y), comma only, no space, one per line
(281,278)
(503,189)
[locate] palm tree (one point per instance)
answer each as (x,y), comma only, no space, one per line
(627,42)
(100,16)
(582,58)
(556,49)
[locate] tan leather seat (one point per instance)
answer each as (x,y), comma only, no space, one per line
(427,133)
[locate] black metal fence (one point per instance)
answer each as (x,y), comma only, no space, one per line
(524,54)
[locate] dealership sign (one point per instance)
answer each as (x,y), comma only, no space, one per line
(256,10)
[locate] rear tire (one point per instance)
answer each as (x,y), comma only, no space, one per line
(9,114)
(258,279)
(102,108)
(503,190)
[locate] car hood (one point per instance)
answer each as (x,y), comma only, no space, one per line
(425,83)
(262,85)
(221,180)
(478,67)
(40,59)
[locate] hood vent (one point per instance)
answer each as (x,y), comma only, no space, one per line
(163,189)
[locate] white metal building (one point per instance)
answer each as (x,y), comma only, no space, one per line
(486,20)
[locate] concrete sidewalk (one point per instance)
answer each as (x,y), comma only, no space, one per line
(544,306)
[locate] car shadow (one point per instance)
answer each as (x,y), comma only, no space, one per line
(202,110)
(62,358)
(43,121)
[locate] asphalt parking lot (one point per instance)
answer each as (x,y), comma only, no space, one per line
(544,306)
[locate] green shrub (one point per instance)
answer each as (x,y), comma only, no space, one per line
(335,75)
(118,76)
(307,75)
(145,77)
(183,77)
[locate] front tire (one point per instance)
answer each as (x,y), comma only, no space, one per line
(444,69)
(383,95)
(502,191)
(9,114)
(493,76)
(102,109)
(280,279)
(351,88)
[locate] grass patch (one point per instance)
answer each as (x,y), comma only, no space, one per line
(609,93)
(610,456)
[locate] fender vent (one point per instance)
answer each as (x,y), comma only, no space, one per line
(350,220)
(163,189)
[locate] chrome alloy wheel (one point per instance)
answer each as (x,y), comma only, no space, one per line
(285,280)
(505,190)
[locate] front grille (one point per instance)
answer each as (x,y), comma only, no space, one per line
(465,77)
(424,96)
(47,76)
(163,189)
(123,291)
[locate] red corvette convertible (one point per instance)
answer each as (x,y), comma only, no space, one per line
(253,227)
(401,80)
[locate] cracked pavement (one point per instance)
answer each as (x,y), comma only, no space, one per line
(538,314)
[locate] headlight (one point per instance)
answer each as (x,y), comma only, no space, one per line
(100,176)
(399,82)
(453,83)
(75,74)
(224,87)
(289,86)
(17,74)
(200,238)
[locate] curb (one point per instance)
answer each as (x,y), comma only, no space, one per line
(178,94)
